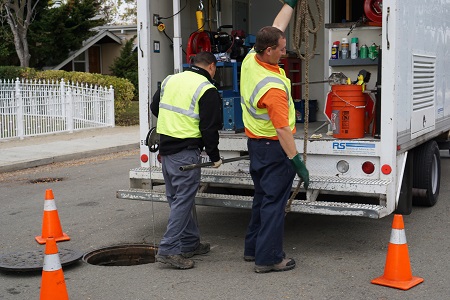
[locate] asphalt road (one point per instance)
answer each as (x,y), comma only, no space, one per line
(336,256)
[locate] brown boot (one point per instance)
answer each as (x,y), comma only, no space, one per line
(285,265)
(176,261)
(202,248)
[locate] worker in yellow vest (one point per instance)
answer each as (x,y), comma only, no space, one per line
(269,120)
(188,107)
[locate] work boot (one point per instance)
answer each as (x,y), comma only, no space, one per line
(285,265)
(177,261)
(202,248)
(252,258)
(249,258)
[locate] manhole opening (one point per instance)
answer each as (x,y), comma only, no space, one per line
(47,179)
(122,255)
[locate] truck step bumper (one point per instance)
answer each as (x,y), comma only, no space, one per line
(243,179)
(298,206)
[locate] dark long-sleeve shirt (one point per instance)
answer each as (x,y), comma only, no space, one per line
(210,112)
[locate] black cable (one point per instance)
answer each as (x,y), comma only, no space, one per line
(198,30)
(164,31)
(164,18)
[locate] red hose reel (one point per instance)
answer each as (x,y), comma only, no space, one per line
(198,42)
(373,10)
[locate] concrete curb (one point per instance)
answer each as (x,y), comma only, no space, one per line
(66,157)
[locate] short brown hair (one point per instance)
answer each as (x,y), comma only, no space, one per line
(203,59)
(267,37)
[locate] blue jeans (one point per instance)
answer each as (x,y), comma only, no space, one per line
(182,234)
(272,175)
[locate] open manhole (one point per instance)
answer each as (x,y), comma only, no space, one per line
(122,255)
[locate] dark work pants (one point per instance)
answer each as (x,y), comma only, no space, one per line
(272,175)
(182,234)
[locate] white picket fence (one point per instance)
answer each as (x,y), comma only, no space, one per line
(29,108)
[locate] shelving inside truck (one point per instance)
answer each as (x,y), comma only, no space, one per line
(367,35)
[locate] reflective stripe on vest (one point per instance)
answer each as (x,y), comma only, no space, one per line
(252,109)
(163,85)
(255,82)
(190,112)
(178,114)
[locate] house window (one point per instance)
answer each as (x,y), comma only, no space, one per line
(79,62)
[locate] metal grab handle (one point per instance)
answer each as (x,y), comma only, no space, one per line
(139,39)
(388,44)
(209,164)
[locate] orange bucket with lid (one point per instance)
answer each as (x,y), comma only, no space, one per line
(348,110)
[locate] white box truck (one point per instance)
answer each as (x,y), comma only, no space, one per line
(392,166)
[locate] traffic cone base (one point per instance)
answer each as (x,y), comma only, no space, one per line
(397,271)
(51,226)
(42,240)
(402,285)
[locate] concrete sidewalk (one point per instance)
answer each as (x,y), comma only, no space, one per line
(16,154)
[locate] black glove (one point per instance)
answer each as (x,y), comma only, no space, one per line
(291,3)
(301,169)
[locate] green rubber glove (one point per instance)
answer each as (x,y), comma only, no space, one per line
(291,3)
(301,169)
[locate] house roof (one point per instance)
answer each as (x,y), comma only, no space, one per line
(102,37)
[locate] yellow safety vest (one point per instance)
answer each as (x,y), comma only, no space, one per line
(178,108)
(255,82)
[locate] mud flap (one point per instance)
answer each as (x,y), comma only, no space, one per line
(404,206)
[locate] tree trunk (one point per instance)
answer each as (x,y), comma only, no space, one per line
(21,44)
(19,23)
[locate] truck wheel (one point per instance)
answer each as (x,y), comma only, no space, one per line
(427,173)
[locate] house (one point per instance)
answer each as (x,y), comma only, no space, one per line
(99,51)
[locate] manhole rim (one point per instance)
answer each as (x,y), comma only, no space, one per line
(88,255)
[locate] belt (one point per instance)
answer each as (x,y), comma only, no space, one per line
(262,140)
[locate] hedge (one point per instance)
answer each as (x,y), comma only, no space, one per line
(12,72)
(123,88)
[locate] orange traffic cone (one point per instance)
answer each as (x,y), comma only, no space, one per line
(51,226)
(397,272)
(53,285)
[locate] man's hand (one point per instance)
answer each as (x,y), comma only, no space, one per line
(301,169)
(217,163)
(291,3)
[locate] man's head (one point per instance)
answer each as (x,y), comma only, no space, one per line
(270,44)
(207,61)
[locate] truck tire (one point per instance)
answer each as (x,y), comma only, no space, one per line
(427,173)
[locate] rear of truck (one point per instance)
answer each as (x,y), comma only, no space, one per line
(369,176)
